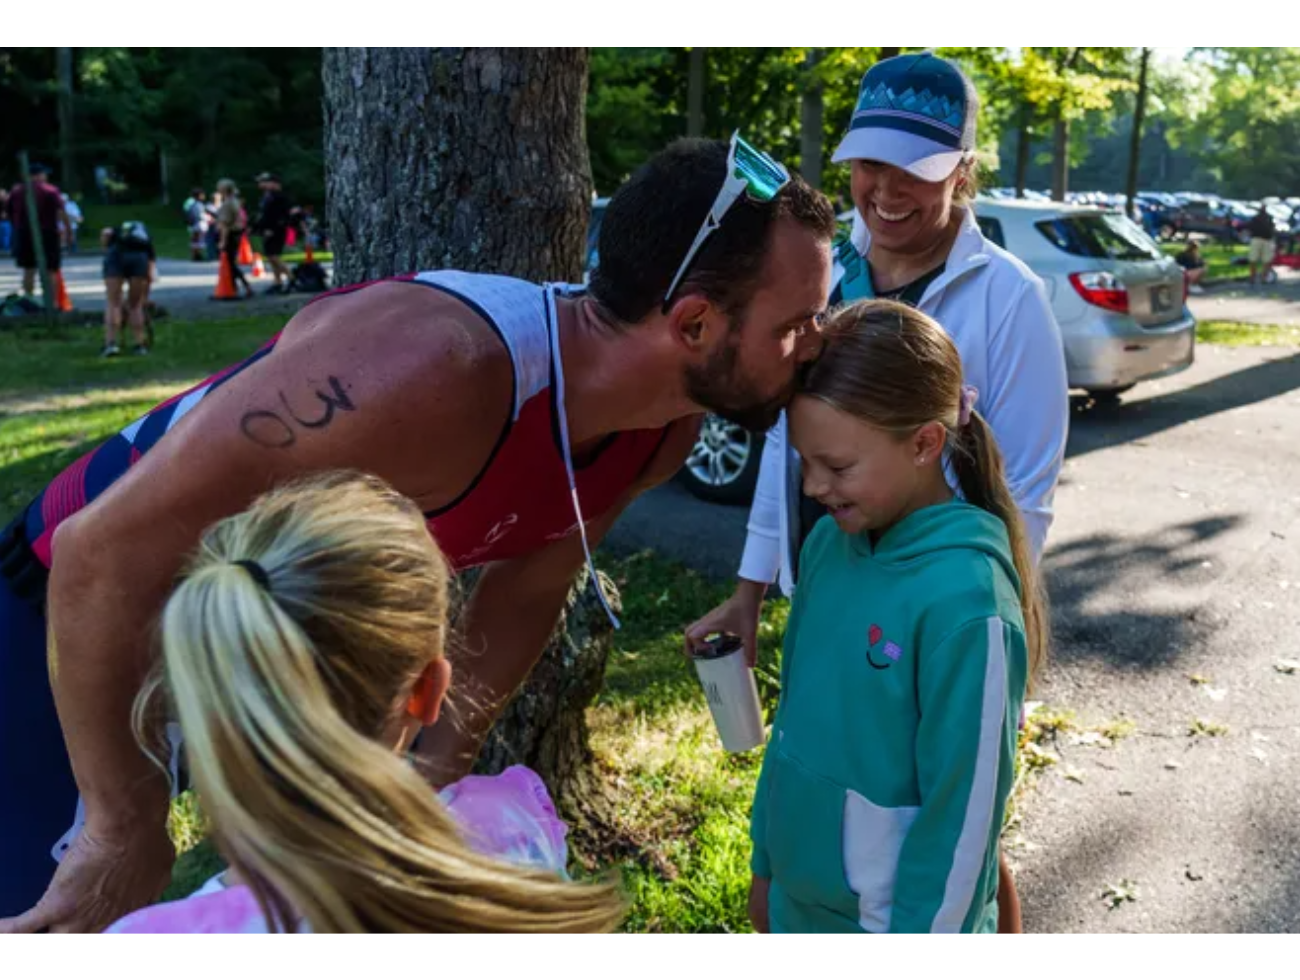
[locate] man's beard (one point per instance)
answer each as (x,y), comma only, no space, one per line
(719,388)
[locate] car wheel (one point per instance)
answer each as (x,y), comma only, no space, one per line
(723,466)
(1108,396)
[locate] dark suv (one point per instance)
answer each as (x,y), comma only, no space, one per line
(1214,218)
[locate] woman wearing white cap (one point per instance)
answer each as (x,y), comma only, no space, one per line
(911,144)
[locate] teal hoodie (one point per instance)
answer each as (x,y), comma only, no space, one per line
(891,757)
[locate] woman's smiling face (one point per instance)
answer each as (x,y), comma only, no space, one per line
(904,213)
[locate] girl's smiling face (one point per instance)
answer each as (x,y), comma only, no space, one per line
(867,477)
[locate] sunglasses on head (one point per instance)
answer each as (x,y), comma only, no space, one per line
(750,172)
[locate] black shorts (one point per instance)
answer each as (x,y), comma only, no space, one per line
(273,243)
(125,263)
(25,251)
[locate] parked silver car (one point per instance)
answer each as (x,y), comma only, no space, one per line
(1120,301)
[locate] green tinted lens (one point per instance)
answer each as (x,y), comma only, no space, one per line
(763,176)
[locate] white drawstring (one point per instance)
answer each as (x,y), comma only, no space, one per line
(553,334)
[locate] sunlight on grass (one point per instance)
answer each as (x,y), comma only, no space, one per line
(1228,334)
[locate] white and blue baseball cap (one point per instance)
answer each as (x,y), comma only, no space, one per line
(916,112)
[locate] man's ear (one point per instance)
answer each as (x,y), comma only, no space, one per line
(688,320)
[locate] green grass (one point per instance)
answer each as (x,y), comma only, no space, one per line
(1227,334)
(296,256)
(683,799)
(1218,258)
(58,398)
(166,224)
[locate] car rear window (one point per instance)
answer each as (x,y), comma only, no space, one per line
(991,228)
(1099,236)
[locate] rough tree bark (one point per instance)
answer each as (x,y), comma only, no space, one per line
(475,159)
(466,158)
(545,726)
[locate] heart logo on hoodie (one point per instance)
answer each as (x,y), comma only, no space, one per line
(875,634)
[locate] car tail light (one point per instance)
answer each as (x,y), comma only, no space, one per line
(1101,289)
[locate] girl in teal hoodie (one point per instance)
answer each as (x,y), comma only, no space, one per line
(914,630)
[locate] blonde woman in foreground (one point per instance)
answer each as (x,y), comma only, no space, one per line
(302,652)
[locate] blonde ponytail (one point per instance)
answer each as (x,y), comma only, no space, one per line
(284,689)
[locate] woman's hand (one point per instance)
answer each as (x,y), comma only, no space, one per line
(738,615)
(759,888)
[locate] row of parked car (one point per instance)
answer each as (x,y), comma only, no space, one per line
(1169,216)
(1119,300)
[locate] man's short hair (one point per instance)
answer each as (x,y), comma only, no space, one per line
(651,221)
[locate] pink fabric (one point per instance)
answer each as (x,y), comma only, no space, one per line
(509,816)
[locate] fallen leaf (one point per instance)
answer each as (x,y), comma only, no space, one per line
(1200,726)
(1073,775)
(1287,666)
(1198,679)
(1171,765)
(1117,894)
(1090,738)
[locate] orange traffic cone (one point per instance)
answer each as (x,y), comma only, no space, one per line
(259,270)
(245,251)
(61,298)
(308,254)
(225,281)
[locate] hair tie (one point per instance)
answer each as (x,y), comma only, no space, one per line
(969,396)
(257,572)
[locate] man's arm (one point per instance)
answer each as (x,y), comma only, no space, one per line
(362,382)
(511,616)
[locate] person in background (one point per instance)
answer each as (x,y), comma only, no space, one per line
(1262,233)
(130,262)
(51,218)
(231,224)
(196,220)
(74,221)
(1193,263)
(6,226)
(274,217)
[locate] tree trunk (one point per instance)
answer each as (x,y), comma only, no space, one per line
(695,93)
(67,138)
(476,159)
(545,726)
(1061,159)
(466,158)
(1135,144)
(812,105)
(1023,143)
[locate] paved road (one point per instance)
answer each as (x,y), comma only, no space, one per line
(1176,551)
(1242,303)
(182,286)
